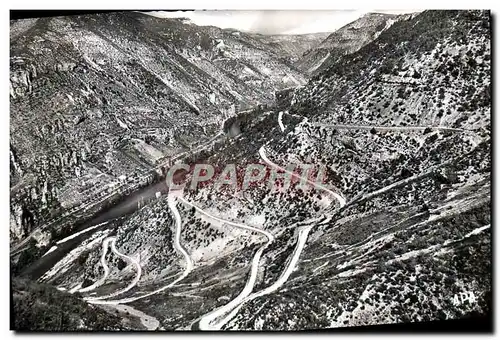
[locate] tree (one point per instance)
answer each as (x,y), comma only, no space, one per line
(83,258)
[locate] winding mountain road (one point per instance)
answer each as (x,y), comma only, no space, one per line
(269,236)
(301,242)
(339,198)
(100,282)
(205,322)
(131,284)
(280,121)
(72,236)
(189,262)
(369,127)
(386,128)
(228,311)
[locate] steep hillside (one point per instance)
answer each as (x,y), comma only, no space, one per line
(43,307)
(399,230)
(97,101)
(432,70)
(346,40)
(415,233)
(292,46)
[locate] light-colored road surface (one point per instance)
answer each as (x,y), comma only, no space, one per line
(305,119)
(189,262)
(386,128)
(205,322)
(80,232)
(269,236)
(376,127)
(262,153)
(228,311)
(301,242)
(280,121)
(172,204)
(99,282)
(73,236)
(64,264)
(219,317)
(131,284)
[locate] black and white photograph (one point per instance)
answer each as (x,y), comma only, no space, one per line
(250,170)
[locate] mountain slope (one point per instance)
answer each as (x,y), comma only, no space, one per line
(401,78)
(99,100)
(346,40)
(293,46)
(415,233)
(403,128)
(43,307)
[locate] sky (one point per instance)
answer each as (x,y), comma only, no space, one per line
(275,22)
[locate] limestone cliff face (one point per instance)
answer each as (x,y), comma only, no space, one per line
(97,97)
(346,40)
